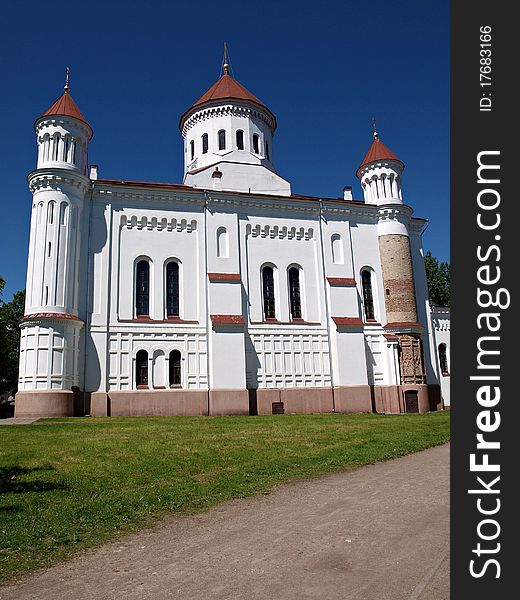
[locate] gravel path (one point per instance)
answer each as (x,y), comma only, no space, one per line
(376,533)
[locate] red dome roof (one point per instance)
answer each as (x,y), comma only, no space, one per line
(65,106)
(377,151)
(226,88)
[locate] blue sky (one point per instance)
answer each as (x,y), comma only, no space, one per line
(324,69)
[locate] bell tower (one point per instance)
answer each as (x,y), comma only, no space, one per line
(51,327)
(380,175)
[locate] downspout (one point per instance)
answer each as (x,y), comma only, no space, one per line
(87,311)
(327,312)
(206,284)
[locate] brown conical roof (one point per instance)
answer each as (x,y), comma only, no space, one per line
(226,88)
(65,106)
(377,151)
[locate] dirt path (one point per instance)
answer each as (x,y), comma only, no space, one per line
(378,533)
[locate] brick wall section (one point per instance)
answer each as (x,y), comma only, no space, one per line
(396,266)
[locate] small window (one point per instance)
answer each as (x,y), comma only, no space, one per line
(256,145)
(205,143)
(67,144)
(172,289)
(268,292)
(294,293)
(240,139)
(443,359)
(142,288)
(73,152)
(368,298)
(175,368)
(49,249)
(267,151)
(192,149)
(51,212)
(221,140)
(141,369)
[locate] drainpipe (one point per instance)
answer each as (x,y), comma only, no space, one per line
(327,314)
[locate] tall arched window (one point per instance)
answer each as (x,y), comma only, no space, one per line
(192,149)
(172,289)
(73,152)
(240,139)
(175,368)
(222,243)
(294,293)
(368,297)
(256,146)
(268,292)
(56,147)
(204,143)
(221,140)
(443,359)
(67,144)
(141,369)
(337,249)
(142,288)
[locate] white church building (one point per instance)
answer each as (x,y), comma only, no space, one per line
(226,294)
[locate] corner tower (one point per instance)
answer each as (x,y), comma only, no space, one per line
(50,330)
(380,176)
(228,141)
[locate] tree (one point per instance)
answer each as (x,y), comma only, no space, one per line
(11,314)
(438,278)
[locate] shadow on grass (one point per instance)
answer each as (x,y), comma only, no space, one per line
(10,482)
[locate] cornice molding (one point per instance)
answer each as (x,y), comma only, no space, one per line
(54,179)
(239,109)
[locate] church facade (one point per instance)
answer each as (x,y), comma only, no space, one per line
(226,294)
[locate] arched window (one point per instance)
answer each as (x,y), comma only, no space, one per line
(443,359)
(256,146)
(56,147)
(268,292)
(368,298)
(175,368)
(142,288)
(267,151)
(294,293)
(240,139)
(192,149)
(51,212)
(221,140)
(73,152)
(172,289)
(141,368)
(222,243)
(337,249)
(204,143)
(67,144)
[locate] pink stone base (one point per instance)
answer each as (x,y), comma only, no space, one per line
(152,403)
(48,403)
(228,402)
(390,399)
(353,399)
(295,400)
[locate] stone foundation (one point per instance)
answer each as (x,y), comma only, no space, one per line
(353,399)
(295,400)
(153,403)
(45,403)
(395,399)
(228,402)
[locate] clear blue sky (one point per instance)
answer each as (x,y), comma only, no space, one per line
(324,69)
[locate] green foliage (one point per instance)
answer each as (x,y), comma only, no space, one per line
(439,280)
(11,314)
(71,484)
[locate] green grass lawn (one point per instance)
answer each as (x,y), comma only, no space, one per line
(72,484)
